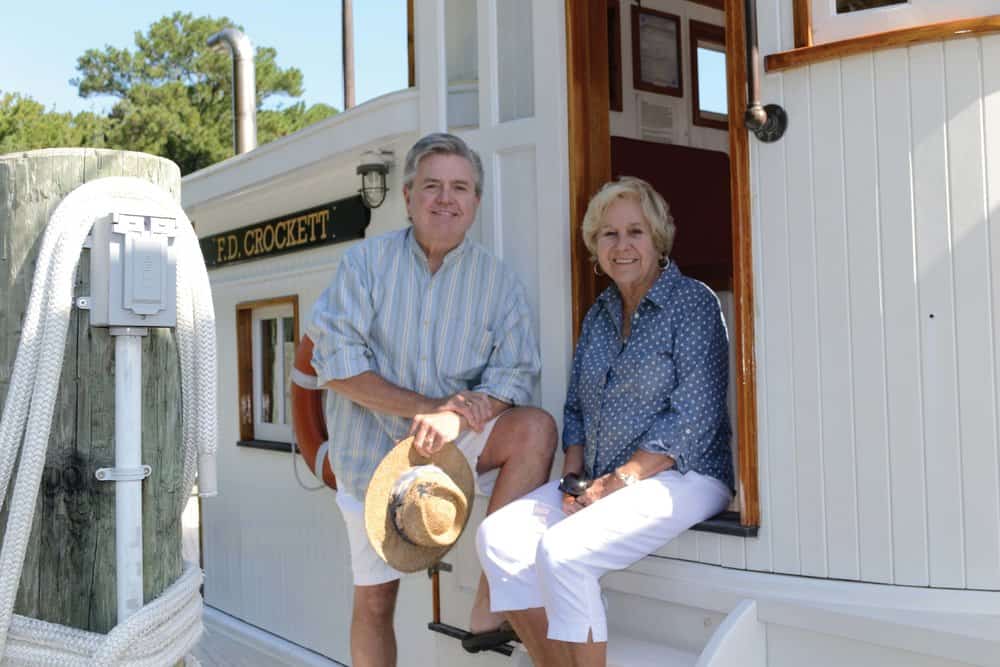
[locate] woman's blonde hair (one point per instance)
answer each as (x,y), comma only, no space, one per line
(654,208)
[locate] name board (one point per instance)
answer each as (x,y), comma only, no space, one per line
(336,222)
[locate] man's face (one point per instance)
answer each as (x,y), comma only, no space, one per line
(442,200)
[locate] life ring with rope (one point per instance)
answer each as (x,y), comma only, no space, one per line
(308,419)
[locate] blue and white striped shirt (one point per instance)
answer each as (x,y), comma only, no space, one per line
(467,327)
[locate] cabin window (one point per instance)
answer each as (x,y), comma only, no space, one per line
(709,101)
(846,6)
(835,20)
(515,60)
(266,335)
(461,45)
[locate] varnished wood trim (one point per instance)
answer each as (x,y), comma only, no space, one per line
(244,372)
(410,57)
(802,23)
(589,134)
(935,32)
(714,4)
(273,301)
(705,32)
(244,355)
(743,335)
(614,56)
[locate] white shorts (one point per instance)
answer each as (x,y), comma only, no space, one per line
(367,566)
(534,555)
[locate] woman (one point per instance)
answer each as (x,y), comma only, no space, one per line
(645,420)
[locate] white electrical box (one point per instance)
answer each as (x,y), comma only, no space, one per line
(133,271)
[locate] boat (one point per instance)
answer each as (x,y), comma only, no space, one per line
(849,225)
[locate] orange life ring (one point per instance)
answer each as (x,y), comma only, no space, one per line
(308,420)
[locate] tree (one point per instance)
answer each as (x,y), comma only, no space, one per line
(175,93)
(26,125)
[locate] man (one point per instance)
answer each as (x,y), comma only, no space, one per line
(424,333)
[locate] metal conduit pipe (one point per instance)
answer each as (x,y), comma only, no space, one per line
(244,87)
(768,123)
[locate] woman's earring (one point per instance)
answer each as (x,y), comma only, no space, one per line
(597,270)
(664,261)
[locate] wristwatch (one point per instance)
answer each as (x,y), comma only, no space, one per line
(626,478)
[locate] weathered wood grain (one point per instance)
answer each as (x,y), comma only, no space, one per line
(69,572)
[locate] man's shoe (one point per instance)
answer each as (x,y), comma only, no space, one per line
(484,641)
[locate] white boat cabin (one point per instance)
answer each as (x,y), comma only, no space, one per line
(857,258)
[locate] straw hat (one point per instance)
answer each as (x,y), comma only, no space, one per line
(416,507)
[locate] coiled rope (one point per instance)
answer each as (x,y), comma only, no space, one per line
(164,630)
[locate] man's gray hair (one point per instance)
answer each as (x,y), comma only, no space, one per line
(441,143)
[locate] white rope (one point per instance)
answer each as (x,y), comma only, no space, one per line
(166,628)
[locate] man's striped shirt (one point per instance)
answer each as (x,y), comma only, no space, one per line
(467,327)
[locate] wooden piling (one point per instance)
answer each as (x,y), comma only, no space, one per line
(69,571)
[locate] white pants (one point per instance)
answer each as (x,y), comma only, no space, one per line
(534,555)
(367,566)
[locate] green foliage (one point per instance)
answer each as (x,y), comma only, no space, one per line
(26,125)
(174,98)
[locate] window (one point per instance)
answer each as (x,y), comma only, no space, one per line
(709,101)
(834,20)
(267,332)
(845,6)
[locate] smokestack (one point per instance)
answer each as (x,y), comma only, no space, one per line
(244,88)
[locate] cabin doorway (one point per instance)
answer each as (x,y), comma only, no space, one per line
(657,90)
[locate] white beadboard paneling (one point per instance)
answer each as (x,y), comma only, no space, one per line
(776,307)
(991,125)
(973,323)
(709,548)
(758,552)
(871,461)
(672,550)
(833,285)
(901,320)
(936,290)
(686,545)
(807,438)
(734,552)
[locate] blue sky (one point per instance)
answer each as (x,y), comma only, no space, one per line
(41,40)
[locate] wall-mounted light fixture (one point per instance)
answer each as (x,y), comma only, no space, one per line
(373,169)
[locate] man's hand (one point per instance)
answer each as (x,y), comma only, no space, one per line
(475,406)
(431,431)
(445,422)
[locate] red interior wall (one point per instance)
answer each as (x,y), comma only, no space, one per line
(695,183)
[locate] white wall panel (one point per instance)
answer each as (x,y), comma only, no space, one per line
(832,298)
(867,339)
(758,551)
(875,259)
(901,320)
(936,297)
(516,177)
(973,323)
(808,434)
(783,522)
(991,126)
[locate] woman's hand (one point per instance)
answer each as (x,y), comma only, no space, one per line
(599,488)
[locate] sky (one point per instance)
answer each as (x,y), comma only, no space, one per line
(40,41)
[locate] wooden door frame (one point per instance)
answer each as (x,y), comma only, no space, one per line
(588,100)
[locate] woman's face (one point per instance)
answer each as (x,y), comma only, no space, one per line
(625,247)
